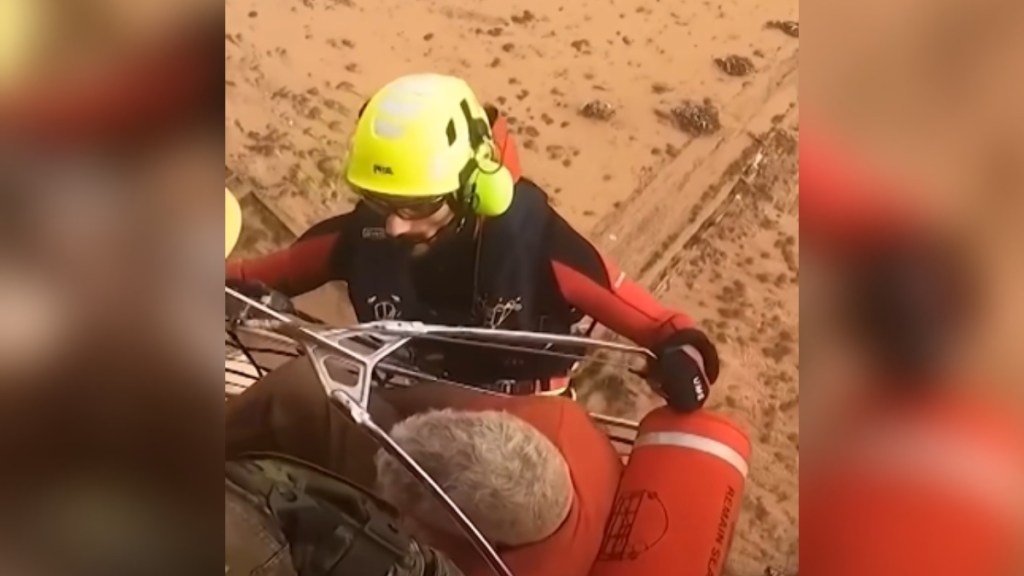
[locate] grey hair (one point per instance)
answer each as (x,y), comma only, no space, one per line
(508,478)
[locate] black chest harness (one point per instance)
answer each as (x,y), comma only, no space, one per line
(497,276)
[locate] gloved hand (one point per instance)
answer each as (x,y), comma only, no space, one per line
(264,294)
(685,367)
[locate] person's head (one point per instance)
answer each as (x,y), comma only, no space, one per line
(508,478)
(423,154)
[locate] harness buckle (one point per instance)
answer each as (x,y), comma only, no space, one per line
(511,387)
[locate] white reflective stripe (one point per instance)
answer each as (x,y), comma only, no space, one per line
(699,443)
(618,281)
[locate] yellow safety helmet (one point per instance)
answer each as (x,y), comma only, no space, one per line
(232,222)
(424,136)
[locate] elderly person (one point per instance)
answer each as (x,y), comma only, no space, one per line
(535,474)
(510,479)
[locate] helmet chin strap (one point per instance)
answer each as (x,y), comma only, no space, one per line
(461,217)
(463,213)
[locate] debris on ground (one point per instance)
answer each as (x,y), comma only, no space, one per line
(525,18)
(787,27)
(597,110)
(734,65)
(660,88)
(330,167)
(696,119)
(582,46)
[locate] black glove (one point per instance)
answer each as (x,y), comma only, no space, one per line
(685,367)
(264,294)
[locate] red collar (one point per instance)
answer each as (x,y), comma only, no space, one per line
(507,151)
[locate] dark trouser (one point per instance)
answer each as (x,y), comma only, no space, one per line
(288,412)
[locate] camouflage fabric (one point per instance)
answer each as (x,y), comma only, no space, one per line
(287,518)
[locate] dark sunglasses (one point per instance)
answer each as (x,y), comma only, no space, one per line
(404,208)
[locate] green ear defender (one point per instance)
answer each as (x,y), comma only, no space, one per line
(489,185)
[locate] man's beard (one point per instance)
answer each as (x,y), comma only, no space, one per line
(418,246)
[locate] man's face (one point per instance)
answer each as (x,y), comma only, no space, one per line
(416,222)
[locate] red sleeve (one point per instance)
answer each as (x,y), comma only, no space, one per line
(619,303)
(300,268)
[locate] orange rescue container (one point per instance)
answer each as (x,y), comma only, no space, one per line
(679,498)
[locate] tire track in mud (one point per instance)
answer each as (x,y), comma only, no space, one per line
(647,233)
(663,213)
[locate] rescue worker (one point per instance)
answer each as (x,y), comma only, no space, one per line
(449,230)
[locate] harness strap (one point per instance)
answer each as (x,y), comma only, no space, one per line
(546,387)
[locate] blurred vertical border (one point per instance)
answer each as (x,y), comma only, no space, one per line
(111,177)
(912,286)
